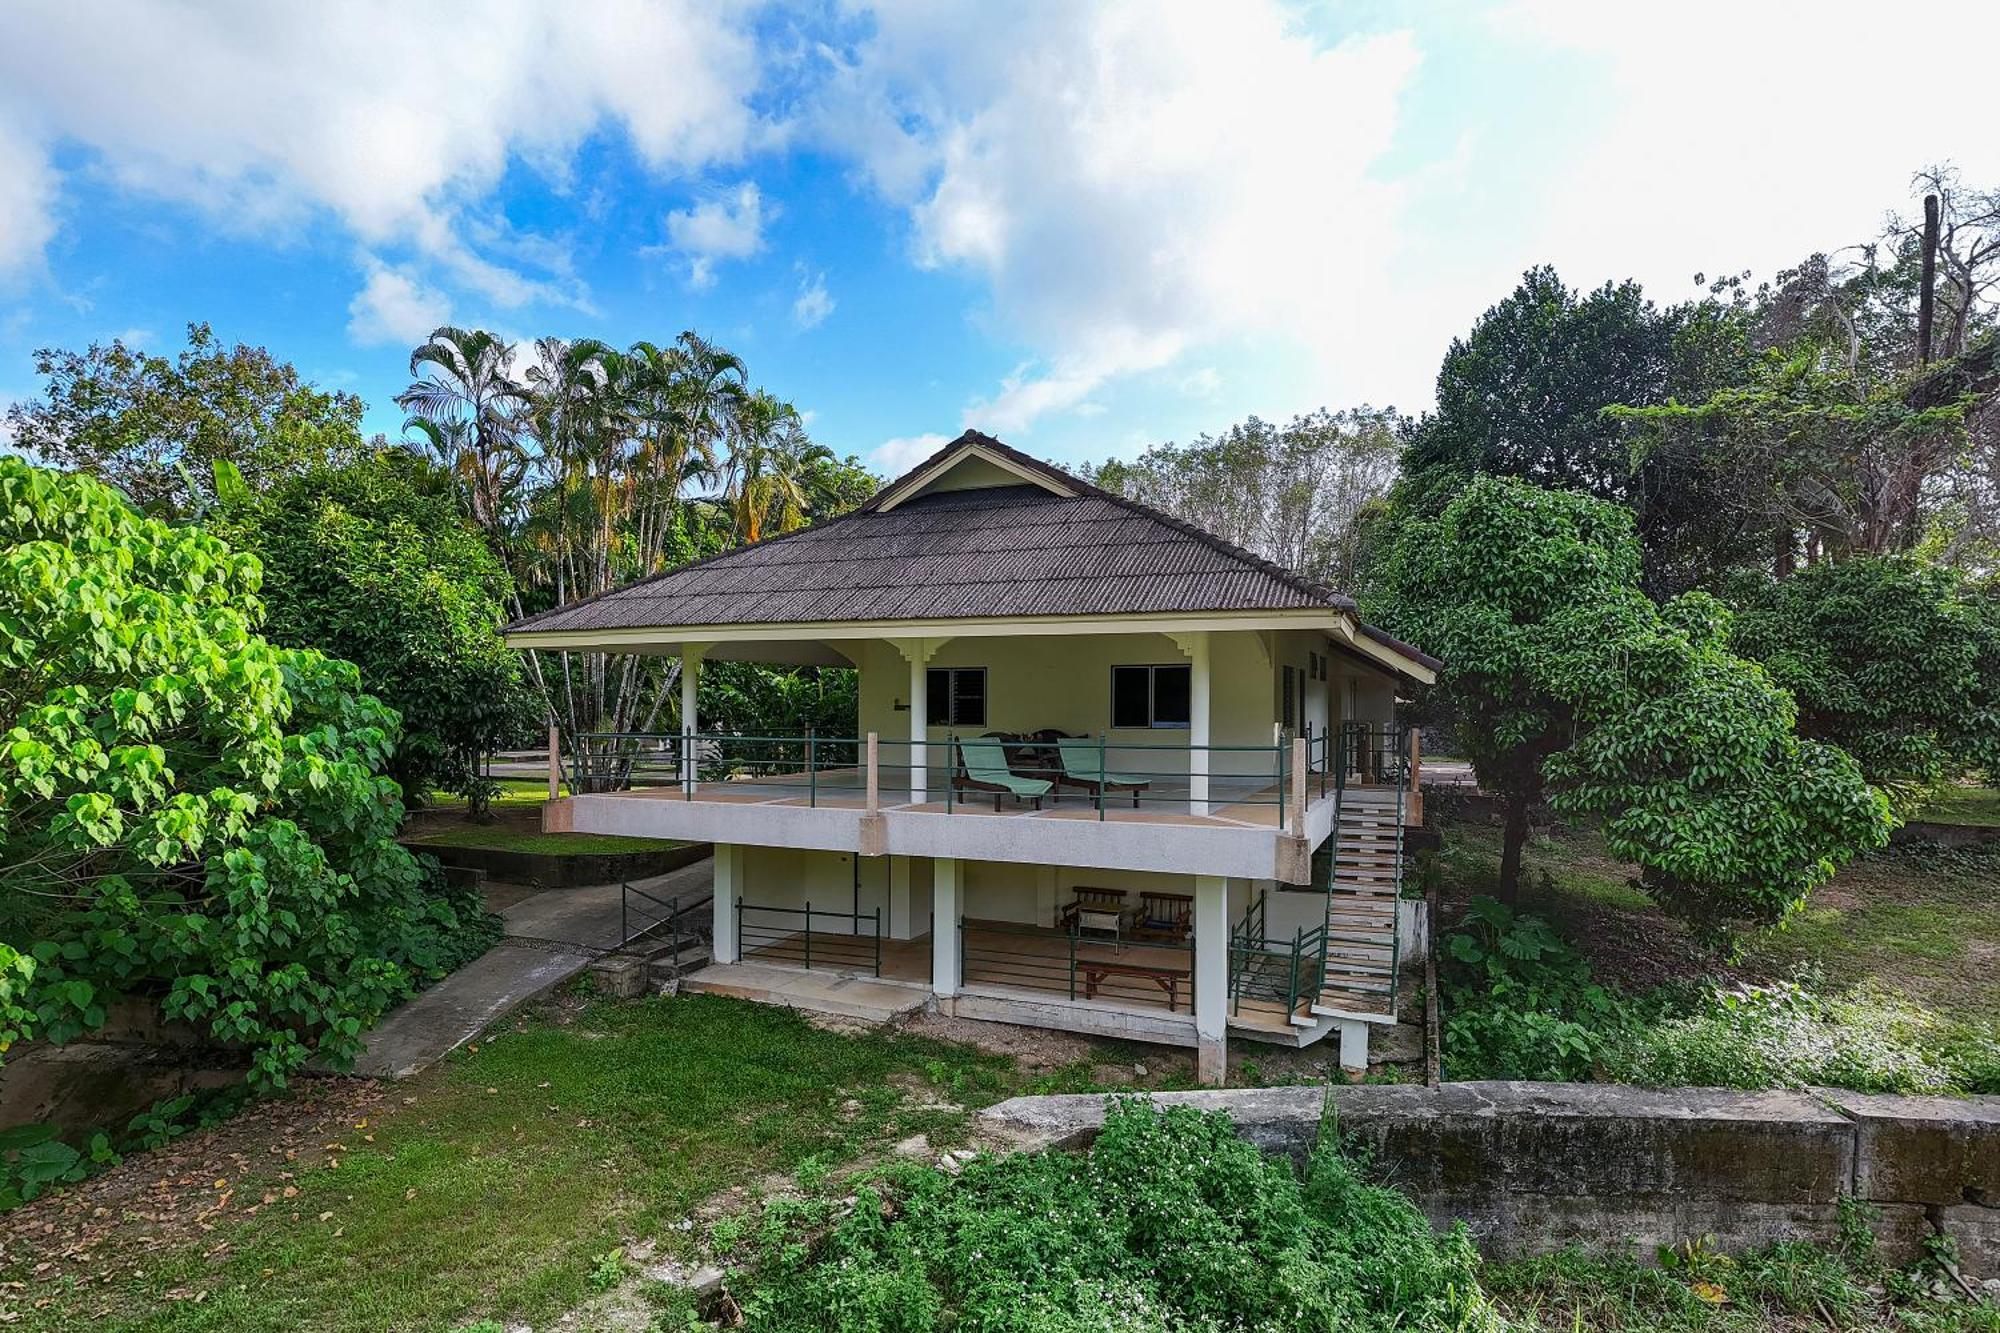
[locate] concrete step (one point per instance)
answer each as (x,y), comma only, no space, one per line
(818,992)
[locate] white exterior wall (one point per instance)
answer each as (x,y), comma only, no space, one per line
(1064,682)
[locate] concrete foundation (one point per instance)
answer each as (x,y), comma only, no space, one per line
(1533,1167)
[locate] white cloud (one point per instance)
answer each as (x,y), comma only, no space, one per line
(1132,179)
(1740,136)
(729,225)
(393,306)
(395,120)
(813,305)
(893,458)
(27,199)
(1201,382)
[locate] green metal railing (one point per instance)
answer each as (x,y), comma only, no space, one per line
(790,939)
(641,913)
(835,770)
(1278,970)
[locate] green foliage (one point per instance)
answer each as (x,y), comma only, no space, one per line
(1793,1034)
(1895,662)
(154,426)
(190,815)
(1520,1002)
(756,700)
(1298,494)
(1814,442)
(1568,684)
(372,561)
(32,1159)
(1169,1221)
(1524,394)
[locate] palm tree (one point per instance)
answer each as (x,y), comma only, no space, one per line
(471,383)
(776,463)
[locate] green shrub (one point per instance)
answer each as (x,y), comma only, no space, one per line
(1520,1002)
(1169,1221)
(189,815)
(1791,1034)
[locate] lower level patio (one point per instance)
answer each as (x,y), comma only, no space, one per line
(1002,960)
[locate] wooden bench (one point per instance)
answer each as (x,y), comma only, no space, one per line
(1096,909)
(1167,917)
(1168,979)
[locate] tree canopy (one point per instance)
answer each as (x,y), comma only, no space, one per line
(1296,494)
(1895,661)
(191,815)
(368,560)
(154,426)
(1568,684)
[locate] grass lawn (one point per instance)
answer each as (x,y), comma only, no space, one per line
(1975,806)
(512,838)
(492,1184)
(1918,920)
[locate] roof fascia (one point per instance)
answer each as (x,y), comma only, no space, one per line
(913,485)
(1325,619)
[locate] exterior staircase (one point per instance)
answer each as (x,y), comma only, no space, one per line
(1361,869)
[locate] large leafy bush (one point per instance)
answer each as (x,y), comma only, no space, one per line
(1569,685)
(188,814)
(1896,662)
(1168,1222)
(371,561)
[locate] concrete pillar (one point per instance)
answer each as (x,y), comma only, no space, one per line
(920,711)
(728,888)
(1353,1045)
(1211,977)
(1196,646)
(900,925)
(690,722)
(1045,895)
(947,903)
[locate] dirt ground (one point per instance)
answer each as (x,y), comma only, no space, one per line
(170,1197)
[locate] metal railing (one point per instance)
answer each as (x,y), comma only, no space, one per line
(642,913)
(791,940)
(1103,774)
(1148,973)
(1371,754)
(1280,971)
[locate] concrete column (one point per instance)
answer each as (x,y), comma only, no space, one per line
(1353,1045)
(919,727)
(899,899)
(728,888)
(947,902)
(1211,977)
(690,723)
(1196,646)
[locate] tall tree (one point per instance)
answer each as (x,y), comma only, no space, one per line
(154,426)
(1569,684)
(470,385)
(372,561)
(1524,395)
(1295,494)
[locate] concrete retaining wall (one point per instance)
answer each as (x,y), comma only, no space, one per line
(1533,1167)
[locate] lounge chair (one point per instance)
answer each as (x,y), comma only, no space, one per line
(1081,767)
(982,766)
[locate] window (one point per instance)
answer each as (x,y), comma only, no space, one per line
(955,697)
(1291,689)
(1151,696)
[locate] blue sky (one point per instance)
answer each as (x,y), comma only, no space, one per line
(1085,227)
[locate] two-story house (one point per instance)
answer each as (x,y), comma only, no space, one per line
(1111,774)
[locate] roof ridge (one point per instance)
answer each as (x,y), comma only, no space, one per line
(1298,581)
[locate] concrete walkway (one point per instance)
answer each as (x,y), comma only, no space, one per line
(550,937)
